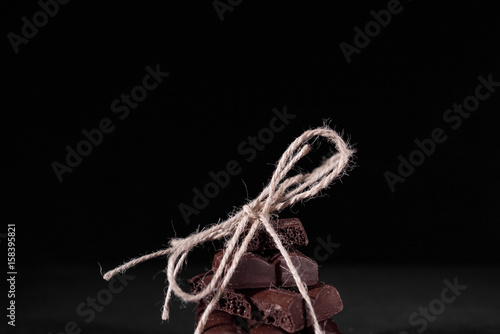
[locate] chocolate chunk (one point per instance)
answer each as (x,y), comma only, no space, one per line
(267,329)
(255,271)
(230,301)
(329,327)
(290,231)
(219,322)
(279,307)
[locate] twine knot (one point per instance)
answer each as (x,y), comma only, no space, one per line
(280,193)
(250,212)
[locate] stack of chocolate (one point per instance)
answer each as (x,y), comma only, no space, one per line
(262,295)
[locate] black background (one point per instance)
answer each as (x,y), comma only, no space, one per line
(225,79)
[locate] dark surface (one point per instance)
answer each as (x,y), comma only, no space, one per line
(377,299)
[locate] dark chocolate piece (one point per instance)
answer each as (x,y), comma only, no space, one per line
(329,327)
(290,231)
(279,307)
(219,322)
(255,271)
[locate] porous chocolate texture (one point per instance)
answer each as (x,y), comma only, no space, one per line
(329,327)
(256,271)
(290,231)
(279,307)
(230,302)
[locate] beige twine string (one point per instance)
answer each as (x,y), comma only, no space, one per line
(280,193)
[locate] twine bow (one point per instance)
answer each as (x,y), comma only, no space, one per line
(280,193)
